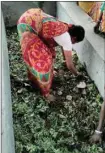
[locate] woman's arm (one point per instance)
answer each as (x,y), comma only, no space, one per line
(69,62)
(98,132)
(102,117)
(96,28)
(64,40)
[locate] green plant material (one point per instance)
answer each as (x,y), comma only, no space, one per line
(64,126)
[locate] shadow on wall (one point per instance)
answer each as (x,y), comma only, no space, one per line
(13,10)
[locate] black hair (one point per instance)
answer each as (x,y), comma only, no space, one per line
(78,32)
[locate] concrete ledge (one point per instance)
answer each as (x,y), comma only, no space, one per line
(7,122)
(12,10)
(91,50)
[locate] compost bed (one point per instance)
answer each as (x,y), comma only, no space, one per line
(63,126)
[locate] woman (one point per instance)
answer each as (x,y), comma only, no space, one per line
(97,136)
(96,10)
(39,33)
(100,25)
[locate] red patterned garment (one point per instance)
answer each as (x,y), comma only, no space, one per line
(36,31)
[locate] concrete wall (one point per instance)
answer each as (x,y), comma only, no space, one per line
(12,10)
(91,50)
(50,7)
(7,121)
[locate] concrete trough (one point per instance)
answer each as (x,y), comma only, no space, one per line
(90,51)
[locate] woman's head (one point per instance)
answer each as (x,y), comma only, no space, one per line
(77,33)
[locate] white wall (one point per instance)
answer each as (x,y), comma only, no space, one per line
(7,121)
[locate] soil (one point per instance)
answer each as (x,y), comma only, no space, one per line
(63,126)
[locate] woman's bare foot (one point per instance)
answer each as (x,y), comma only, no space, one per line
(59,72)
(51,98)
(55,73)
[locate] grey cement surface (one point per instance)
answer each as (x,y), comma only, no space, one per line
(50,7)
(92,50)
(14,9)
(7,121)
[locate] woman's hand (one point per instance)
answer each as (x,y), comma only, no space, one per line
(69,62)
(96,28)
(79,74)
(96,138)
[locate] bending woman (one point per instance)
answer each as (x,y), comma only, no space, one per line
(39,34)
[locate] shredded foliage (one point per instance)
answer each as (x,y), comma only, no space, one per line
(64,126)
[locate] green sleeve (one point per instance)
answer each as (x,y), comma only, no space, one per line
(102,7)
